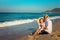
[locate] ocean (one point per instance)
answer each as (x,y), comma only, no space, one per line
(19,24)
(21,18)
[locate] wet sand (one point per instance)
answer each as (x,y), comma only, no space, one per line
(17,31)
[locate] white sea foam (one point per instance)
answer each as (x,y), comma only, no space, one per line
(19,22)
(55,17)
(16,22)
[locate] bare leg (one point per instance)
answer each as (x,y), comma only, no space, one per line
(37,32)
(31,37)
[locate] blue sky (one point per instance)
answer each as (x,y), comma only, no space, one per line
(28,5)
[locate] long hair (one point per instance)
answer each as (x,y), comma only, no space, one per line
(40,20)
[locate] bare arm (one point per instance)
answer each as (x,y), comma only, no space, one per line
(44,27)
(38,23)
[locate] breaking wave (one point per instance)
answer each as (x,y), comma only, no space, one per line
(19,22)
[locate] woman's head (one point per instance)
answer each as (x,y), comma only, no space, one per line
(41,20)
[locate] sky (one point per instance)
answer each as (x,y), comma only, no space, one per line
(28,5)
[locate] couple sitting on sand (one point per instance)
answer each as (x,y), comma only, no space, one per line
(44,26)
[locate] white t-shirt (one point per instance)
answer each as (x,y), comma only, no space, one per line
(49,26)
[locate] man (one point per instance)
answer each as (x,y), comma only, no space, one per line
(48,24)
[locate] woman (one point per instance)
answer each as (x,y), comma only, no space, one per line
(42,26)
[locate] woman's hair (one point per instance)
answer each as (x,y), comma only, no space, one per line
(40,20)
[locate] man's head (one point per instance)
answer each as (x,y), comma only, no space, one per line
(46,17)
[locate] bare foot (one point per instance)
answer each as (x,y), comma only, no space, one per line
(30,37)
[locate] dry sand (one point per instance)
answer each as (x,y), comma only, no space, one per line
(55,35)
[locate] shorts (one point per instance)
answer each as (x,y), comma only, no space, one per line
(43,32)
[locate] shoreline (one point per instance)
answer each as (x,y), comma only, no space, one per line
(56,27)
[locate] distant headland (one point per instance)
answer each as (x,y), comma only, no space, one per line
(54,10)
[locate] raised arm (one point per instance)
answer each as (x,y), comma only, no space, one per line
(44,27)
(38,23)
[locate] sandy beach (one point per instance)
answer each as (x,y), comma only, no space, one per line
(55,35)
